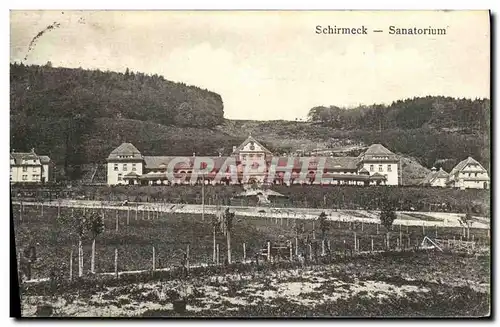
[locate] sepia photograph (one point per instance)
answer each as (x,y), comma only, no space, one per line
(250,164)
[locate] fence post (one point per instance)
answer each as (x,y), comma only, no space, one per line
(400,238)
(217,250)
(291,250)
(116,228)
(128,216)
(244,252)
(314,232)
(362,225)
(187,258)
(116,263)
(310,252)
(355,242)
(92,260)
(372,242)
(71,265)
(80,258)
(323,247)
(103,222)
(423,228)
(149,218)
(329,248)
(136,209)
(59,210)
(377,227)
(42,209)
(268,251)
(21,212)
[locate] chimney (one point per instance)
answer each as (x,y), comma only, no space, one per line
(194,154)
(433,169)
(234,148)
(220,154)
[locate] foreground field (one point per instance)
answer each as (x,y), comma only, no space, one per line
(413,284)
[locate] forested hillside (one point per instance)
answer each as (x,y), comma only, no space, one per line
(78,116)
(56,110)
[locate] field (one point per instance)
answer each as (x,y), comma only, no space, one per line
(409,284)
(170,234)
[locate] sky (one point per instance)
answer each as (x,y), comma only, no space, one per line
(270,65)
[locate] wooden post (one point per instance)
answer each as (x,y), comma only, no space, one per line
(149,218)
(21,212)
(142,214)
(310,252)
(291,250)
(72,212)
(217,261)
(71,265)
(323,247)
(154,258)
(407,229)
(92,260)
(116,227)
(244,252)
(103,222)
(136,209)
(187,258)
(329,248)
(214,254)
(372,242)
(423,228)
(400,239)
(296,246)
(128,216)
(377,227)
(80,258)
(436,231)
(268,251)
(116,262)
(362,225)
(314,232)
(59,210)
(42,208)
(355,242)
(468,233)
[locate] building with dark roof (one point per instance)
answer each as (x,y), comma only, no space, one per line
(436,178)
(28,167)
(251,162)
(468,173)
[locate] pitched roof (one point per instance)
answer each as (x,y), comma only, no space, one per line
(248,140)
(20,156)
(433,175)
(462,164)
(375,149)
(125,149)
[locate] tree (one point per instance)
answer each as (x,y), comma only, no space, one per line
(228,220)
(387,216)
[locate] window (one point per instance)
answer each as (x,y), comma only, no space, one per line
(36,177)
(25,177)
(124,167)
(25,169)
(116,167)
(371,168)
(119,177)
(380,168)
(475,174)
(389,168)
(133,167)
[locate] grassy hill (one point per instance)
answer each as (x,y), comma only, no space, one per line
(78,116)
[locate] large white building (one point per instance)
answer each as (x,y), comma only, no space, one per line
(28,167)
(376,166)
(468,173)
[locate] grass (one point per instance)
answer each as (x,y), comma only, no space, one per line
(170,234)
(417,284)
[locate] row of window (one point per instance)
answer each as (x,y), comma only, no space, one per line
(125,167)
(470,174)
(381,168)
(25,169)
(25,177)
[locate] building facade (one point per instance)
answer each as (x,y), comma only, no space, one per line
(28,167)
(251,162)
(436,178)
(468,174)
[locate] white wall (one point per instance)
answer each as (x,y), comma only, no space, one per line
(392,176)
(33,174)
(113,174)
